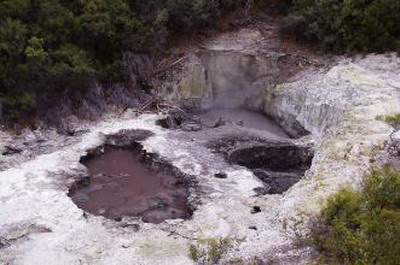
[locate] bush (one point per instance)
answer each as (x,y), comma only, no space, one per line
(293,25)
(274,6)
(362,227)
(350,25)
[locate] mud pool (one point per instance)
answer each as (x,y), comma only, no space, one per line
(120,184)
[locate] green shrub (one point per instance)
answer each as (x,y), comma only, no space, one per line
(348,25)
(361,227)
(274,6)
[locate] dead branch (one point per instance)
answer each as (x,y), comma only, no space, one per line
(169,66)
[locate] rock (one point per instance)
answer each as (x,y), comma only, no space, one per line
(170,122)
(240,123)
(396,136)
(3,243)
(221,175)
(191,127)
(11,150)
(218,123)
(127,137)
(255,209)
(181,120)
(135,227)
(69,125)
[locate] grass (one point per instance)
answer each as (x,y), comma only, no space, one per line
(361,227)
(393,120)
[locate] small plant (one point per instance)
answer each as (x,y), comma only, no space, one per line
(393,120)
(194,253)
(209,251)
(361,227)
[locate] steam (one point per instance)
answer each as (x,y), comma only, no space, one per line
(235,79)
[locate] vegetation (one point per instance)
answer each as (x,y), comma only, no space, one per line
(209,251)
(48,47)
(393,120)
(346,25)
(362,227)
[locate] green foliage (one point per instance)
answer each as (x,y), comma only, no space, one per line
(362,227)
(35,51)
(209,251)
(194,253)
(393,119)
(348,25)
(48,47)
(274,6)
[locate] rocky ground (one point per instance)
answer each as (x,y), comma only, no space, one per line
(337,104)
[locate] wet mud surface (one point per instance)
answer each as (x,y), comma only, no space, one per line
(245,118)
(129,182)
(218,117)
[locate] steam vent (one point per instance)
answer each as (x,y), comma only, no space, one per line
(222,149)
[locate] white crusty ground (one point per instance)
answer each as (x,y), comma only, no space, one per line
(43,225)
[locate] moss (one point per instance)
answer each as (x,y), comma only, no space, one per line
(361,227)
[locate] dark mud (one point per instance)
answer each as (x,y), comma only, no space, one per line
(278,164)
(126,181)
(276,158)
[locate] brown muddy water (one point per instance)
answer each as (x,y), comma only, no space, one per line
(121,184)
(245,118)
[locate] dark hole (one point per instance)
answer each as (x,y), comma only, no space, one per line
(281,158)
(221,175)
(256,209)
